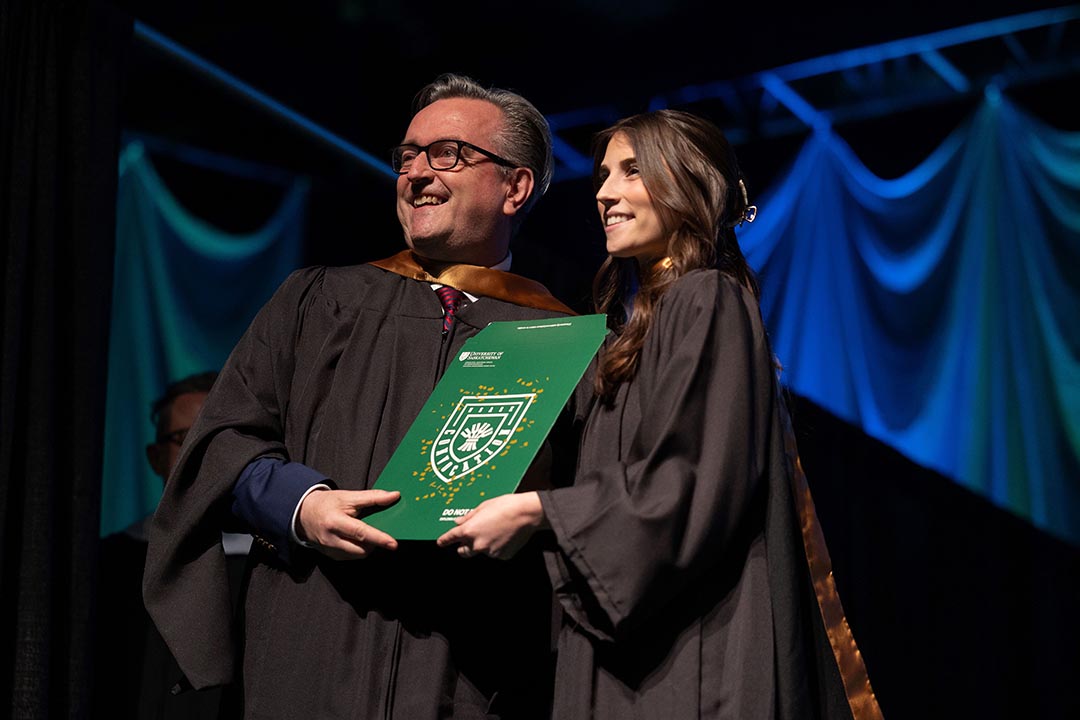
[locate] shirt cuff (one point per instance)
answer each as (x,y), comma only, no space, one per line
(293,535)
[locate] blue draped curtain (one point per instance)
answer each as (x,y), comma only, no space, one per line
(940,311)
(183,293)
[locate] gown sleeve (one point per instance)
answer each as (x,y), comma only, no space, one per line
(634,534)
(185,587)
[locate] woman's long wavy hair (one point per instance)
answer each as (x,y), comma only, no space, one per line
(691,173)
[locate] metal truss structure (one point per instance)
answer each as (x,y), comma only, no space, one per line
(819,93)
(858,84)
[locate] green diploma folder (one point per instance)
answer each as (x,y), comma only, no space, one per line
(485,421)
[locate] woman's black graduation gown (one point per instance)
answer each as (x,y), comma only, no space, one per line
(680,564)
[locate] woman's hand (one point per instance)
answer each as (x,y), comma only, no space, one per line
(498,527)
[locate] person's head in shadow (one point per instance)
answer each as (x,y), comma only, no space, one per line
(173,414)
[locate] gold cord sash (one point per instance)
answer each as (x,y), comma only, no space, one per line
(861,698)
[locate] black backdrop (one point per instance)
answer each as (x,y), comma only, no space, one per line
(960,609)
(60,65)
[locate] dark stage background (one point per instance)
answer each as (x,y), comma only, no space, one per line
(960,609)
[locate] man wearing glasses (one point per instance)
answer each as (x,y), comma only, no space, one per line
(308,410)
(134,666)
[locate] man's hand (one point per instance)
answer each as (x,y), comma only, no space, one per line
(328,518)
(498,527)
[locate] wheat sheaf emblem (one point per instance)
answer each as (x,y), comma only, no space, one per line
(478,428)
(474,434)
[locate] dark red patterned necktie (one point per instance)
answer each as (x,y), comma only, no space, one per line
(451,300)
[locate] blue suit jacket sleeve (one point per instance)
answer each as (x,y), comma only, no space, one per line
(265,498)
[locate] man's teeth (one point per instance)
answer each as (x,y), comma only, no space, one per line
(613,219)
(427,200)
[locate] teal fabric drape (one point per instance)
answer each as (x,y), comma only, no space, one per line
(183,293)
(940,311)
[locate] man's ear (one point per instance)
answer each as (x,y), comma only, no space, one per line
(156,456)
(519,189)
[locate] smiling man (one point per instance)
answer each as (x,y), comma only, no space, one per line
(456,199)
(308,410)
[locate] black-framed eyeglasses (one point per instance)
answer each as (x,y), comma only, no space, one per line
(176,437)
(441,155)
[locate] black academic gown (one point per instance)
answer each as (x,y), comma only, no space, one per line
(134,670)
(331,374)
(679,564)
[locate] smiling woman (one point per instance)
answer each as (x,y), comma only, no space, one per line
(644,169)
(686,555)
(633,225)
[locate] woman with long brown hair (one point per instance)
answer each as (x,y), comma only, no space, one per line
(686,555)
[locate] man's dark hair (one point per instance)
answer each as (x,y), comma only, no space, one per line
(525,139)
(199,382)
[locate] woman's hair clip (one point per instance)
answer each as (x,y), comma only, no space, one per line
(751,210)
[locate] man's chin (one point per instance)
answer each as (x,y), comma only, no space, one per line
(442,250)
(431,248)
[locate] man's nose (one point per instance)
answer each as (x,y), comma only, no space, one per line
(420,168)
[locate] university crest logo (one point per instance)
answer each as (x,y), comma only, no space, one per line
(479,427)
